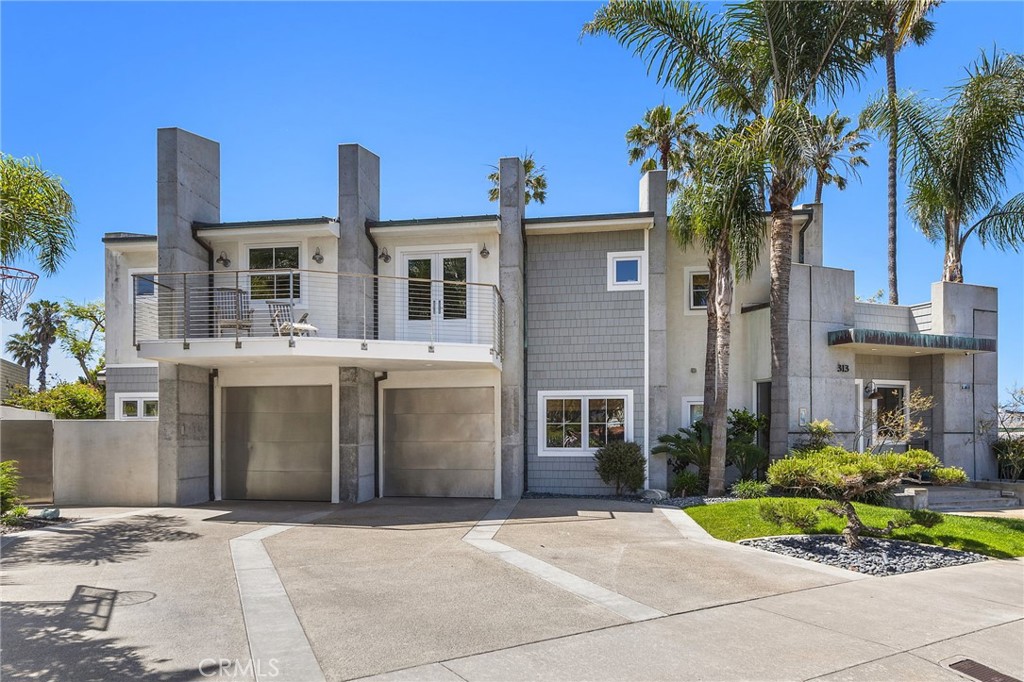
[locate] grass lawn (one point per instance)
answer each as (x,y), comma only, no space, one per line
(995,537)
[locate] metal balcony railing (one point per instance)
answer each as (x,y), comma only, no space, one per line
(245,304)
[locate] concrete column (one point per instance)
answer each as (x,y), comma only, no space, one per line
(512,263)
(654,198)
(188,190)
(358,201)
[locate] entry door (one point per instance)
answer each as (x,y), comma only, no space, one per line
(438,309)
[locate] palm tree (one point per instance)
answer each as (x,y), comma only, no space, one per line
(768,61)
(835,150)
(720,210)
(24,351)
(900,21)
(669,136)
(42,321)
(37,216)
(536,182)
(957,158)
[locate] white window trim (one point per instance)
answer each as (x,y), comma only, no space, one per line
(143,271)
(543,396)
(888,383)
(120,398)
(689,400)
(640,257)
(299,302)
(688,274)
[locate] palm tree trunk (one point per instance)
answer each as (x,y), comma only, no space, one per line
(44,361)
(781,265)
(723,306)
(709,349)
(890,80)
(819,185)
(953,267)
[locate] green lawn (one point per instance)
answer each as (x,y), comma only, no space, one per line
(996,537)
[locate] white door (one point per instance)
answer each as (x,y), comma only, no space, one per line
(436,302)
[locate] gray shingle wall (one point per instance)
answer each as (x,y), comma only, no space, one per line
(580,336)
(129,380)
(892,318)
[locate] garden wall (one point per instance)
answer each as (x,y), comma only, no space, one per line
(105,462)
(27,437)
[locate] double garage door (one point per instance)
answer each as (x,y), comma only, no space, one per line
(438,442)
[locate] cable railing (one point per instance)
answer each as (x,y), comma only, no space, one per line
(289,304)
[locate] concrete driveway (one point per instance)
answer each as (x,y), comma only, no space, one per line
(467,589)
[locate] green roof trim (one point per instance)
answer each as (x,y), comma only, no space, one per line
(264,223)
(596,216)
(878,337)
(412,222)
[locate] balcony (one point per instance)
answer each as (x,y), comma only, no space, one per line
(283,317)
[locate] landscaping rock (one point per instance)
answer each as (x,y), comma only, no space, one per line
(877,557)
(50,514)
(654,495)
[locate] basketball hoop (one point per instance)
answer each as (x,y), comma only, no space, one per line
(16,286)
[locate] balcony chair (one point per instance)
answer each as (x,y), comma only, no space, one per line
(283,323)
(231,311)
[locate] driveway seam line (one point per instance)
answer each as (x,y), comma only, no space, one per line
(452,672)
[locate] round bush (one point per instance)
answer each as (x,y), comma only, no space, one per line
(621,465)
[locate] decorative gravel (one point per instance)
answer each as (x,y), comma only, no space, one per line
(30,523)
(695,501)
(877,557)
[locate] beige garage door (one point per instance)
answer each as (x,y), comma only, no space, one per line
(277,443)
(439,442)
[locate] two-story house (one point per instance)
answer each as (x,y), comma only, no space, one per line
(347,357)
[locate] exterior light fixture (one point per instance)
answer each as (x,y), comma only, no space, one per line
(318,257)
(871,392)
(384,255)
(223,259)
(484,253)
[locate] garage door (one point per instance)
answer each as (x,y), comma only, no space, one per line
(277,443)
(439,442)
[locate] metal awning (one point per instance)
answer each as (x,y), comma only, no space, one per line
(881,342)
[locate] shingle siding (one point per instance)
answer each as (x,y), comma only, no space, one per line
(129,380)
(579,336)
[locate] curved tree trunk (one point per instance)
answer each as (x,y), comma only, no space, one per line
(953,267)
(781,202)
(723,307)
(710,348)
(890,80)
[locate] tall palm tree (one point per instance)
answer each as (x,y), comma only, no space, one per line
(720,210)
(835,150)
(957,158)
(669,136)
(24,351)
(37,215)
(765,60)
(42,321)
(901,22)
(536,182)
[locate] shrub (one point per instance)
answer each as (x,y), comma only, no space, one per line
(621,465)
(686,483)
(16,515)
(747,458)
(1009,454)
(688,446)
(948,476)
(749,490)
(820,434)
(63,401)
(8,485)
(780,512)
(841,476)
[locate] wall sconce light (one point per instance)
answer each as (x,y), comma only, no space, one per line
(384,255)
(484,253)
(871,392)
(223,259)
(318,257)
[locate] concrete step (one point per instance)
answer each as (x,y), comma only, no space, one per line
(979,504)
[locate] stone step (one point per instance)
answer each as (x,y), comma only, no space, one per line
(973,504)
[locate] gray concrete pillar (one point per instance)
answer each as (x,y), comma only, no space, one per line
(510,280)
(654,198)
(188,190)
(356,429)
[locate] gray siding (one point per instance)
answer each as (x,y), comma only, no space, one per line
(129,380)
(579,336)
(11,375)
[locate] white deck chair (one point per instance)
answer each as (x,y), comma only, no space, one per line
(283,323)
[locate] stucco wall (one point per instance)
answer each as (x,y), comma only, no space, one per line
(119,299)
(103,462)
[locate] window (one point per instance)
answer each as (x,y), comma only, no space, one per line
(693,410)
(700,285)
(577,423)
(891,411)
(626,271)
(137,406)
(274,287)
(145,285)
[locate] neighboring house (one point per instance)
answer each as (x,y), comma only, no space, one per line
(342,358)
(11,374)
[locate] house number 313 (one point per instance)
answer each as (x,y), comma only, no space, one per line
(842,368)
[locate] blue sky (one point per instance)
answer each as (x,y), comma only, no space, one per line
(439,90)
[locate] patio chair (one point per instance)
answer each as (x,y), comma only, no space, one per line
(231,311)
(283,323)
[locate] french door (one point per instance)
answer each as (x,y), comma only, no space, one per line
(436,303)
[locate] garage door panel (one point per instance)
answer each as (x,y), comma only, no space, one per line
(443,401)
(277,485)
(441,427)
(442,455)
(440,483)
(290,428)
(278,400)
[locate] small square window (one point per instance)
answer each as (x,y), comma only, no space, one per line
(150,408)
(130,409)
(626,270)
(145,285)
